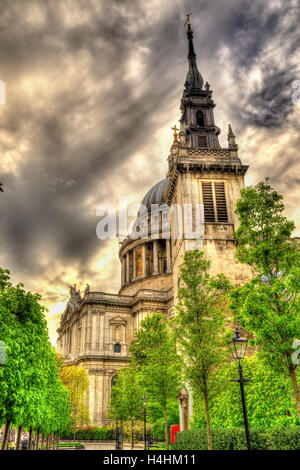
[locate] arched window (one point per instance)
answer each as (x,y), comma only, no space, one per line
(117,348)
(113,380)
(200,118)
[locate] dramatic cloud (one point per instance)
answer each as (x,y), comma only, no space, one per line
(93,88)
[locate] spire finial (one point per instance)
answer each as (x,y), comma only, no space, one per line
(194,79)
(187,21)
(175,135)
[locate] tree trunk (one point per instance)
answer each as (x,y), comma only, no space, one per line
(207,416)
(166,428)
(131,436)
(37,438)
(295,388)
(54,440)
(5,435)
(18,441)
(57,441)
(29,446)
(47,442)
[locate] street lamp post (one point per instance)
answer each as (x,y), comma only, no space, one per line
(118,437)
(117,434)
(145,422)
(238,348)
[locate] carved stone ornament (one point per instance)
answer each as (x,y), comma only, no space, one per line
(75,298)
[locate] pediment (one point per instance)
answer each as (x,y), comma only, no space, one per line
(117,321)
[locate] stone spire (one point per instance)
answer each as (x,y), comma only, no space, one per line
(197,126)
(194,78)
(231,139)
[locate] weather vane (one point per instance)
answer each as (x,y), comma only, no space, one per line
(175,135)
(187,21)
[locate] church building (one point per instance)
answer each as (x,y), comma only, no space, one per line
(96,329)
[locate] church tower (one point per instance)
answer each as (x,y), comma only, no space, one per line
(96,329)
(202,173)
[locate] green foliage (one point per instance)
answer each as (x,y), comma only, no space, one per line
(76,381)
(270,310)
(87,433)
(154,416)
(78,445)
(234,439)
(264,233)
(200,320)
(126,395)
(200,325)
(32,394)
(269,305)
(155,359)
(126,398)
(270,399)
(137,429)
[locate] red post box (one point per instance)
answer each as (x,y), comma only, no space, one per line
(173,430)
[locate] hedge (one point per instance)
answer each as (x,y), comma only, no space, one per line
(88,433)
(78,445)
(234,439)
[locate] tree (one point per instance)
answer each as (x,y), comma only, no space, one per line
(126,397)
(76,381)
(270,398)
(157,421)
(154,355)
(29,382)
(200,326)
(269,305)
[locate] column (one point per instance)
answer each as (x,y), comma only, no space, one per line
(98,331)
(168,254)
(144,260)
(74,339)
(123,271)
(94,330)
(127,267)
(77,337)
(155,257)
(134,264)
(102,331)
(85,337)
(89,330)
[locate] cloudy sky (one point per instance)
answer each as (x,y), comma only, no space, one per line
(92,90)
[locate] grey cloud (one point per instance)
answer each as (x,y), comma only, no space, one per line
(73,133)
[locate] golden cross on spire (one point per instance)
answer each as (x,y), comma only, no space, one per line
(187,21)
(175,135)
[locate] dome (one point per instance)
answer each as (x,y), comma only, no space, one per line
(156,195)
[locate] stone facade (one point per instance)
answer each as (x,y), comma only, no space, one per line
(96,329)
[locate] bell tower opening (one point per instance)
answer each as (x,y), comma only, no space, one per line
(200,118)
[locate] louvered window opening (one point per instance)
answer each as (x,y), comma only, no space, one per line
(214,200)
